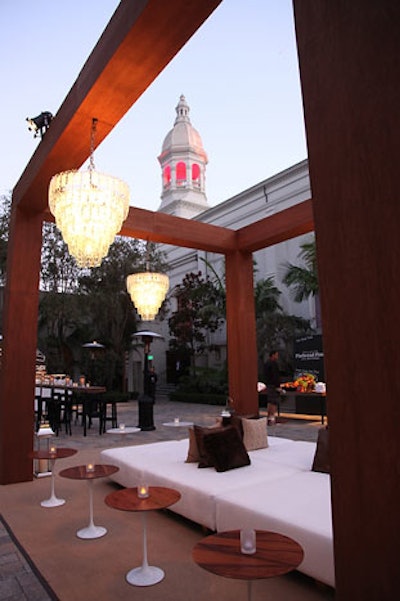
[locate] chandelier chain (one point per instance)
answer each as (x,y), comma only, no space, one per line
(92,142)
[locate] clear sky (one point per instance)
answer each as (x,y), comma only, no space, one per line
(239,74)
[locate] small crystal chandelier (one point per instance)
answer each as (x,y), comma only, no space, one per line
(89,208)
(147,290)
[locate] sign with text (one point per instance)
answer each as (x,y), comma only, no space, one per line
(309,356)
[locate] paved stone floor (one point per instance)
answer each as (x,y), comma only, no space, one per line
(164,411)
(17,580)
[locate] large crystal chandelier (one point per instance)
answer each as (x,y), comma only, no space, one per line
(89,208)
(148,290)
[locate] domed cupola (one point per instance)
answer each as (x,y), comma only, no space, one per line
(183,163)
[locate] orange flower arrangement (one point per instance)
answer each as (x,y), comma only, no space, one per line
(305,383)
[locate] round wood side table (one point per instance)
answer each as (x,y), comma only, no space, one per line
(275,555)
(127,500)
(89,473)
(52,456)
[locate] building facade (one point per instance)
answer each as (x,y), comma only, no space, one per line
(183,162)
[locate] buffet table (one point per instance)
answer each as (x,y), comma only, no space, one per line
(308,403)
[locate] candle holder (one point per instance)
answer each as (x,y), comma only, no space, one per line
(143,491)
(90,468)
(53,450)
(248,541)
(122,427)
(176,421)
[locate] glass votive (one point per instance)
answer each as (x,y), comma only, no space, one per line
(53,450)
(122,427)
(248,541)
(176,421)
(90,468)
(143,491)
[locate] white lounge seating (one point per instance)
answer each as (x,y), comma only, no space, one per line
(277,491)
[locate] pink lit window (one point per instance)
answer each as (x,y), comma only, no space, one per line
(167,175)
(195,172)
(180,172)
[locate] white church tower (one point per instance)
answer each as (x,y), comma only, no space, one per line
(183,163)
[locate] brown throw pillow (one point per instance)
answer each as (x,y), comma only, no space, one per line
(235,421)
(321,458)
(200,433)
(224,449)
(255,433)
(193,455)
(193,451)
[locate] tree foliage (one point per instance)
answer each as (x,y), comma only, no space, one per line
(303,280)
(266,296)
(276,329)
(200,309)
(5,212)
(58,270)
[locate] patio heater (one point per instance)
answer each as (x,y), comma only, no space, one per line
(145,401)
(94,349)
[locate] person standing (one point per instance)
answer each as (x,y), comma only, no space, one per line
(272,381)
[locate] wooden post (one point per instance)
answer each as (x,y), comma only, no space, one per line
(241,332)
(17,376)
(349,67)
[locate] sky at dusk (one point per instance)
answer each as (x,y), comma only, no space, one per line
(239,74)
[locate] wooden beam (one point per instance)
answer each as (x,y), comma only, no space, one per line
(140,40)
(168,229)
(277,228)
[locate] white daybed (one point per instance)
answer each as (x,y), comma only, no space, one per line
(277,491)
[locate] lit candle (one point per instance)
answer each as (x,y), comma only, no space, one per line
(176,421)
(143,491)
(122,426)
(248,541)
(53,450)
(90,468)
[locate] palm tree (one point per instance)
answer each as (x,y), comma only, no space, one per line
(266,296)
(304,279)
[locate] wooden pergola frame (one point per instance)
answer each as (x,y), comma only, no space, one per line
(124,55)
(348,55)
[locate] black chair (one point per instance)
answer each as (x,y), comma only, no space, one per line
(92,407)
(109,413)
(39,407)
(59,410)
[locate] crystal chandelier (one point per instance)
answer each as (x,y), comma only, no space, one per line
(89,208)
(147,290)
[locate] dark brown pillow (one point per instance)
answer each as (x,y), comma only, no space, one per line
(200,432)
(193,455)
(224,449)
(235,421)
(321,458)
